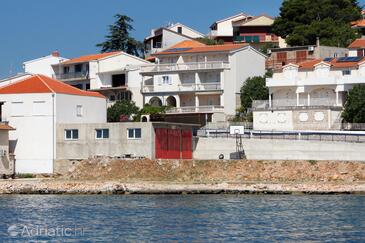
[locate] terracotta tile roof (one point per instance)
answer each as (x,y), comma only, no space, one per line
(187,44)
(92,57)
(334,64)
(5,126)
(358,24)
(184,48)
(43,84)
(359,43)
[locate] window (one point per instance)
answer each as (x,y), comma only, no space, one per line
(79,110)
(102,133)
(346,72)
(17,108)
(134,133)
(79,86)
(166,80)
(87,86)
(71,134)
(78,68)
(179,30)
(66,69)
(118,80)
(39,108)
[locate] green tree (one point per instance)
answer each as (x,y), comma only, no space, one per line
(150,110)
(354,111)
(119,38)
(120,109)
(302,21)
(253,89)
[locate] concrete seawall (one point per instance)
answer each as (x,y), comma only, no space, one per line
(267,149)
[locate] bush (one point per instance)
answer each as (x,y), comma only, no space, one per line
(354,111)
(122,111)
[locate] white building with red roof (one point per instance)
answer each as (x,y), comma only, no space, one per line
(308,95)
(197,80)
(34,106)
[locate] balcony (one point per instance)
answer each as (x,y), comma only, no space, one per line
(193,66)
(216,86)
(72,76)
(195,109)
(292,103)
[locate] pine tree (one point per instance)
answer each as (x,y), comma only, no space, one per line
(119,38)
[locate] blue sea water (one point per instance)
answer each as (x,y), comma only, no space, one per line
(181,218)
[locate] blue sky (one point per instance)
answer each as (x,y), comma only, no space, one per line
(34,28)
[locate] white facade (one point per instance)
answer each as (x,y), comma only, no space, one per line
(307,98)
(35,115)
(165,37)
(43,65)
(98,74)
(206,82)
(224,27)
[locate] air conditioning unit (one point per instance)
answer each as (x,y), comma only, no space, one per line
(145,118)
(269,52)
(311,48)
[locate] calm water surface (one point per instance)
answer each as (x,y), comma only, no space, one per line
(190,218)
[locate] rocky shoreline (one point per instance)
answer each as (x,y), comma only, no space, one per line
(54,186)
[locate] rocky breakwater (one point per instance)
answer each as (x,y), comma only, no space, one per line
(111,176)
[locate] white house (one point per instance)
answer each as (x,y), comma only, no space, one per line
(113,74)
(43,65)
(223,29)
(164,37)
(357,48)
(34,106)
(193,78)
(309,95)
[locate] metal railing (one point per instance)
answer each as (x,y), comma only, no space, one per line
(330,136)
(75,75)
(194,109)
(183,87)
(184,66)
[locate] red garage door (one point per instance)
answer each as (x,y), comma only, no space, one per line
(173,143)
(187,139)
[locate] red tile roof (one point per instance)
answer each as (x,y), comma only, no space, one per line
(334,64)
(43,84)
(359,43)
(5,126)
(197,47)
(92,57)
(358,24)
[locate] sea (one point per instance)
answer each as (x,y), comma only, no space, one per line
(182,218)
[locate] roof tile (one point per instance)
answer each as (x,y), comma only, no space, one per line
(92,57)
(43,84)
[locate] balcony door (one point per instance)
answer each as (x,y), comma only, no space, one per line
(118,80)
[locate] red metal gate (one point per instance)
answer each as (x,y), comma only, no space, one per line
(173,143)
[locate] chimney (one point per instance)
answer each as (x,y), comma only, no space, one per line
(55,54)
(318,43)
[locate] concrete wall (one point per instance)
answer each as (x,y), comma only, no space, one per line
(257,149)
(117,144)
(244,64)
(298,119)
(93,109)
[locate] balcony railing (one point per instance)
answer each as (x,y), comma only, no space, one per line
(184,67)
(292,103)
(76,75)
(195,109)
(183,87)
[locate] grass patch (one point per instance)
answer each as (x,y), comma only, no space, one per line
(25,176)
(313,162)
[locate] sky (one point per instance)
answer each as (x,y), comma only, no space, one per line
(34,28)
